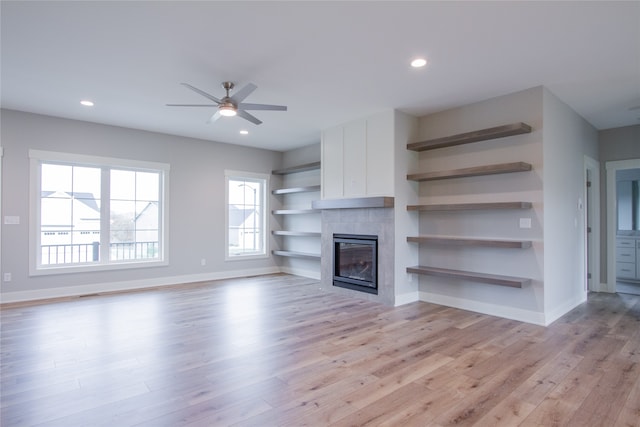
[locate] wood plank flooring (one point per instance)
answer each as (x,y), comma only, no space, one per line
(275,351)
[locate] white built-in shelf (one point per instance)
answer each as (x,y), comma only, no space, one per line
(469,172)
(465,241)
(309,189)
(470,137)
(299,168)
(295,233)
(294,254)
(469,206)
(294,211)
(493,279)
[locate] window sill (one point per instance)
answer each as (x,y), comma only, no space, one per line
(246,257)
(90,268)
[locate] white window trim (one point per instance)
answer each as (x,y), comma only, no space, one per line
(265,224)
(38,156)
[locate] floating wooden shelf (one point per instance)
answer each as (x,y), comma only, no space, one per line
(360,202)
(470,206)
(493,279)
(295,233)
(469,137)
(296,254)
(299,168)
(309,189)
(294,211)
(462,241)
(473,171)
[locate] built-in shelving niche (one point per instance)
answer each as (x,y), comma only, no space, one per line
(502,168)
(293,233)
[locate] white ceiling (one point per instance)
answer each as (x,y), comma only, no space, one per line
(329,62)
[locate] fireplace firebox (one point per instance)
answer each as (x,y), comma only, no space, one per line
(355,262)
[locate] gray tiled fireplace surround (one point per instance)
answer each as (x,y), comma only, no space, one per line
(370,221)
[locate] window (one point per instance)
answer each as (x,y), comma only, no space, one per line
(93,213)
(246,215)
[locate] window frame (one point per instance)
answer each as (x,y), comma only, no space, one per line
(106,164)
(231,174)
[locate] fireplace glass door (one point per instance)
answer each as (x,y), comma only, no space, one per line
(355,262)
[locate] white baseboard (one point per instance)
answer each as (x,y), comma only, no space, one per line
(311,274)
(407,298)
(527,316)
(73,291)
(560,311)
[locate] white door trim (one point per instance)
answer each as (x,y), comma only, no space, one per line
(592,211)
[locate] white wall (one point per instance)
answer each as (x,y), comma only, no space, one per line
(197,205)
(567,139)
(525,304)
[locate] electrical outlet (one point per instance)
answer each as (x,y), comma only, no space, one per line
(203,262)
(525,222)
(7,277)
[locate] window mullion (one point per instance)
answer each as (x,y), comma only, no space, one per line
(36,166)
(105,216)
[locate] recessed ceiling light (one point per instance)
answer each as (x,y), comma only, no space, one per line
(418,62)
(244,132)
(86,103)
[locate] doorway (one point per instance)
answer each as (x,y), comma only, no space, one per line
(613,232)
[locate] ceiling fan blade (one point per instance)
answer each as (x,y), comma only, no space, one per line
(247,116)
(201,92)
(215,117)
(244,106)
(191,105)
(240,95)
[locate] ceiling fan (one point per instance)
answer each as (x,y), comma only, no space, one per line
(230,106)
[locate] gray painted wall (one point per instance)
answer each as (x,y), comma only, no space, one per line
(524,304)
(197,204)
(567,139)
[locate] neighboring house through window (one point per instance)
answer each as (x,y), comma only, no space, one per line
(96,213)
(246,214)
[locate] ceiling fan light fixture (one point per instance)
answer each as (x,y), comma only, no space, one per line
(227,110)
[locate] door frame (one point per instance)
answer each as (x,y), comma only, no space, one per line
(592,219)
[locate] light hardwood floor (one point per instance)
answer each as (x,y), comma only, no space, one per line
(273,350)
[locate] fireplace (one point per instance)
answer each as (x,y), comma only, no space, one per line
(355,262)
